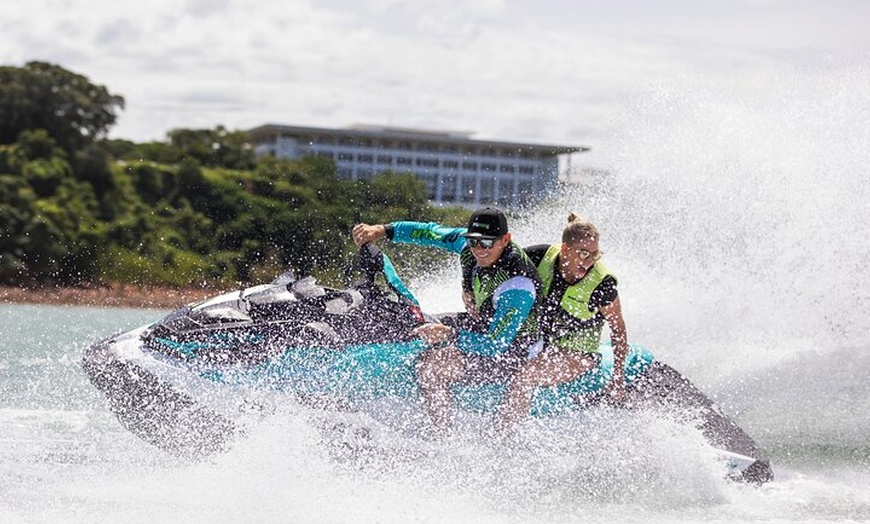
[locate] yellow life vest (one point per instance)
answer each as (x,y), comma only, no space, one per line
(575,301)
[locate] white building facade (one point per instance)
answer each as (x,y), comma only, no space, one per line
(457,170)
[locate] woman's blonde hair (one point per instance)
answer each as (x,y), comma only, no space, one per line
(578,229)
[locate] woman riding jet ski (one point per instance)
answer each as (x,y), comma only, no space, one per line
(193,381)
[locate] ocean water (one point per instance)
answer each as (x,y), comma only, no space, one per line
(736,220)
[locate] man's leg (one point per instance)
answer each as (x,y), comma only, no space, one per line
(437,369)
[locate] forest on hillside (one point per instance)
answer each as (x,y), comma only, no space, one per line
(78,208)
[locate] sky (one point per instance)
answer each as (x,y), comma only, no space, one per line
(543,71)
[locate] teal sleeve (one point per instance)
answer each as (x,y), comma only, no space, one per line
(429,234)
(513,301)
(395,282)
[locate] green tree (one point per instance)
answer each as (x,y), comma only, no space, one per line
(93,165)
(399,192)
(16,220)
(72,109)
(191,181)
(216,147)
(36,157)
(71,235)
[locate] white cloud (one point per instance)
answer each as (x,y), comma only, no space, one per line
(553,71)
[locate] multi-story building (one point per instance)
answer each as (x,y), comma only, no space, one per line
(456,169)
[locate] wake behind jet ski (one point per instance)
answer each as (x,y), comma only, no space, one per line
(192,382)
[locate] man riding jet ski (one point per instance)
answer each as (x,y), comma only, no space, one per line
(193,381)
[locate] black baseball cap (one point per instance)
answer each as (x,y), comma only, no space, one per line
(488,222)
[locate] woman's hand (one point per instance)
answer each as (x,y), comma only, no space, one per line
(614,392)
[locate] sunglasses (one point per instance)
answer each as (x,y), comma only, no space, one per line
(485,243)
(583,254)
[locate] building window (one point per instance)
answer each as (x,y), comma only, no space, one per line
(365,158)
(431,184)
(487,190)
(468,187)
(525,191)
(469,166)
(448,187)
(404,161)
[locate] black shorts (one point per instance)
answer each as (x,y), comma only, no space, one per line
(487,370)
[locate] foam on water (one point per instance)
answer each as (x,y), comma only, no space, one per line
(640,468)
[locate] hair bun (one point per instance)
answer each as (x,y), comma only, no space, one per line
(577,229)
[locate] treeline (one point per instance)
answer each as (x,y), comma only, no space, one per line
(199,208)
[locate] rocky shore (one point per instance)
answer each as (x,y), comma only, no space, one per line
(115,295)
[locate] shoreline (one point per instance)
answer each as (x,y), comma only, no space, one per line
(114,295)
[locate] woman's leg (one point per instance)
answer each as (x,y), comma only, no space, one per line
(552,367)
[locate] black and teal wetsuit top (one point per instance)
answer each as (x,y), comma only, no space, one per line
(569,315)
(505,293)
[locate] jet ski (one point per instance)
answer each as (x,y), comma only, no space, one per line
(194,381)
